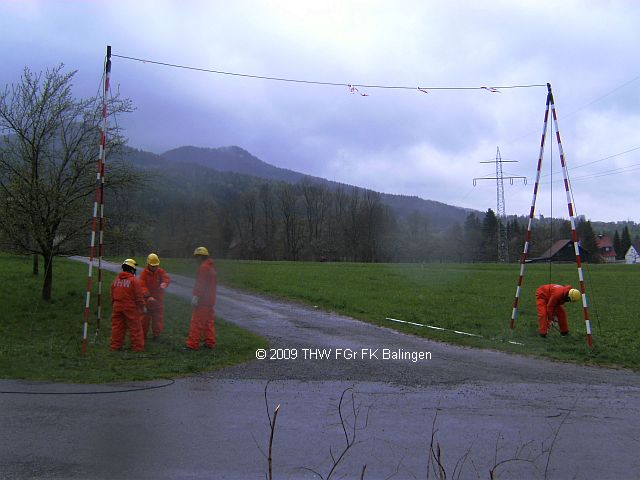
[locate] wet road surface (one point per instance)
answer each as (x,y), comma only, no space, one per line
(537,418)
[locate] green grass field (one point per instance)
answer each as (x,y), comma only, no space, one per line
(43,341)
(474,298)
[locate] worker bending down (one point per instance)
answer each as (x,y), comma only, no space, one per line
(127,308)
(549,301)
(154,280)
(203,302)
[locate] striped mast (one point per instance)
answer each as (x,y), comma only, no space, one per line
(574,234)
(99,199)
(525,251)
(103,156)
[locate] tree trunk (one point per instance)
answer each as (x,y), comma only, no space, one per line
(36,269)
(47,286)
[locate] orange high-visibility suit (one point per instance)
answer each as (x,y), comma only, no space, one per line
(127,310)
(154,284)
(203,313)
(549,301)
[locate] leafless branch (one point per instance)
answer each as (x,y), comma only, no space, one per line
(555,437)
(273,431)
(272,428)
(435,457)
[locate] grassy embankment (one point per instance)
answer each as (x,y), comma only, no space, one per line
(42,340)
(475,298)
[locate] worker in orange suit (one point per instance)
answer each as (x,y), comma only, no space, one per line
(127,308)
(203,302)
(154,280)
(549,301)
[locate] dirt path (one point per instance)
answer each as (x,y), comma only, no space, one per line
(557,420)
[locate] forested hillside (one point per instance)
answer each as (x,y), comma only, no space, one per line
(237,160)
(195,196)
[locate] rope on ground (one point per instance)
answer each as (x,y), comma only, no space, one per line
(433,327)
(93,392)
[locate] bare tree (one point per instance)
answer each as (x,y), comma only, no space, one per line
(249,229)
(352,226)
(373,228)
(337,220)
(288,199)
(316,204)
(269,222)
(48,160)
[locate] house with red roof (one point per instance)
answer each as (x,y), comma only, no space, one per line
(605,248)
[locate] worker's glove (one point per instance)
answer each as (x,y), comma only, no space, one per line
(163,285)
(144,310)
(194,301)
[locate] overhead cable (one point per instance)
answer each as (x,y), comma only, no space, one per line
(580,165)
(352,86)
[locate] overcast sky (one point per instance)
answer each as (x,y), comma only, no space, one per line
(399,141)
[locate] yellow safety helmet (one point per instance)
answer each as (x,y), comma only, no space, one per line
(201,251)
(130,262)
(574,295)
(153,260)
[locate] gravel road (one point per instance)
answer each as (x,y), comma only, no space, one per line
(543,419)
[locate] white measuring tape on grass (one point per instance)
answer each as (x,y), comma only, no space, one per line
(433,327)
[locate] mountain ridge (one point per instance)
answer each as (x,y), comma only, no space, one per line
(235,159)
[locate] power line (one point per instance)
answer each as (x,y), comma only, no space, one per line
(574,111)
(610,92)
(606,173)
(493,89)
(603,173)
(580,165)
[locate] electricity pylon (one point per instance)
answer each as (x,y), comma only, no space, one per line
(503,240)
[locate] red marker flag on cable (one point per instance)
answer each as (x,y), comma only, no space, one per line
(354,91)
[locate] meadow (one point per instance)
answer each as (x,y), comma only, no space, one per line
(43,340)
(474,298)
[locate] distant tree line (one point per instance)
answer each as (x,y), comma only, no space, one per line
(268,220)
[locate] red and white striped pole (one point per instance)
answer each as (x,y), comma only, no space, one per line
(103,156)
(99,199)
(525,252)
(574,234)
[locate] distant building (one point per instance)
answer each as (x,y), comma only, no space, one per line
(605,249)
(561,251)
(632,255)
